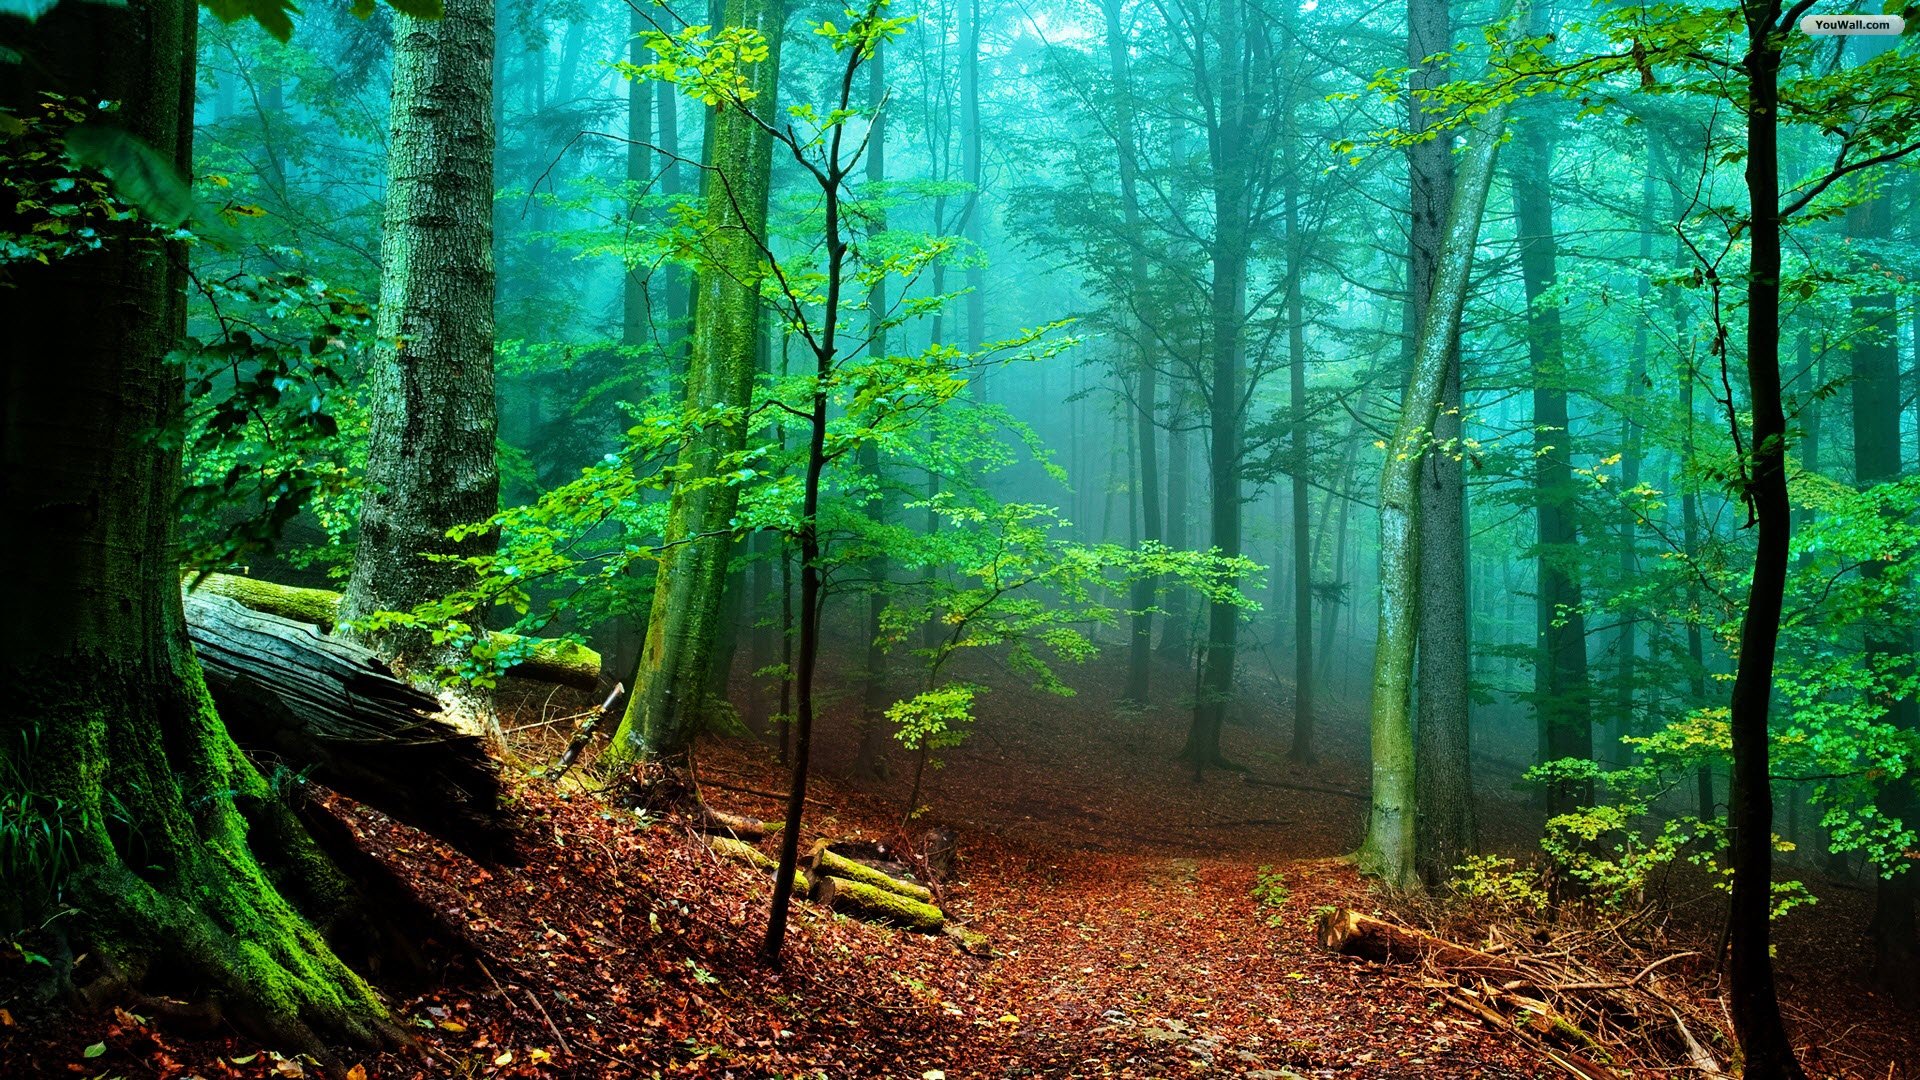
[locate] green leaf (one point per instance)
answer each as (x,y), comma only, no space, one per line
(139,174)
(95,1050)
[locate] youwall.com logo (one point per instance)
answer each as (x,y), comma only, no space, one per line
(1864,25)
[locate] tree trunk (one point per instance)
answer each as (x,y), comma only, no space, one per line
(672,684)
(1562,696)
(870,761)
(1176,637)
(1444,772)
(430,451)
(1232,209)
(1876,460)
(1146,390)
(1752,1001)
(970,145)
(185,864)
(1389,849)
(1303,566)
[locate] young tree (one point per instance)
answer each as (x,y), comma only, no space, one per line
(185,865)
(430,456)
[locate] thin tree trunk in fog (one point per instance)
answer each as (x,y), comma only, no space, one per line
(1175,634)
(1562,694)
(868,762)
(673,683)
(1330,611)
(1146,389)
(1753,1003)
(975,211)
(1629,640)
(430,448)
(1389,850)
(1303,677)
(1444,773)
(1227,252)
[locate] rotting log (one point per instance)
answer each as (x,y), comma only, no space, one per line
(824,862)
(567,663)
(740,851)
(739,826)
(865,901)
(333,711)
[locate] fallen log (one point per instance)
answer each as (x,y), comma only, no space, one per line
(741,851)
(329,709)
(823,862)
(739,826)
(1346,931)
(551,660)
(868,902)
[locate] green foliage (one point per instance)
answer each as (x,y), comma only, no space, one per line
(266,388)
(63,204)
(1501,884)
(1270,892)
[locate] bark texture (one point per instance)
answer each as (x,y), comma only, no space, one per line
(1388,851)
(185,862)
(1444,775)
(671,686)
(430,453)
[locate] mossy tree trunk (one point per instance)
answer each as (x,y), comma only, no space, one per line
(188,872)
(673,680)
(1443,773)
(430,453)
(1389,850)
(870,762)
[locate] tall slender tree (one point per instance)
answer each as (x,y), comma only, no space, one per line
(671,686)
(1444,773)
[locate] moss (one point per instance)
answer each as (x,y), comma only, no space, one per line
(320,607)
(740,851)
(878,903)
(831,864)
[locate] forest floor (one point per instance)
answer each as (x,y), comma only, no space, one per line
(1118,895)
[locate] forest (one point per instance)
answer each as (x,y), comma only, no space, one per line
(960,538)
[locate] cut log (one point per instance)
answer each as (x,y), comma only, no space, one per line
(867,902)
(568,663)
(741,851)
(739,826)
(320,706)
(824,862)
(1347,931)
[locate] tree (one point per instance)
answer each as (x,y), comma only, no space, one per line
(674,678)
(1389,850)
(1146,389)
(1443,773)
(184,864)
(1562,698)
(430,457)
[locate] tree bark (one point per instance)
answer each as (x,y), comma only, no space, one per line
(673,682)
(430,452)
(1443,774)
(184,862)
(1389,850)
(870,761)
(1752,1000)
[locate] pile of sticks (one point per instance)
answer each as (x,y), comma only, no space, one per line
(1590,1000)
